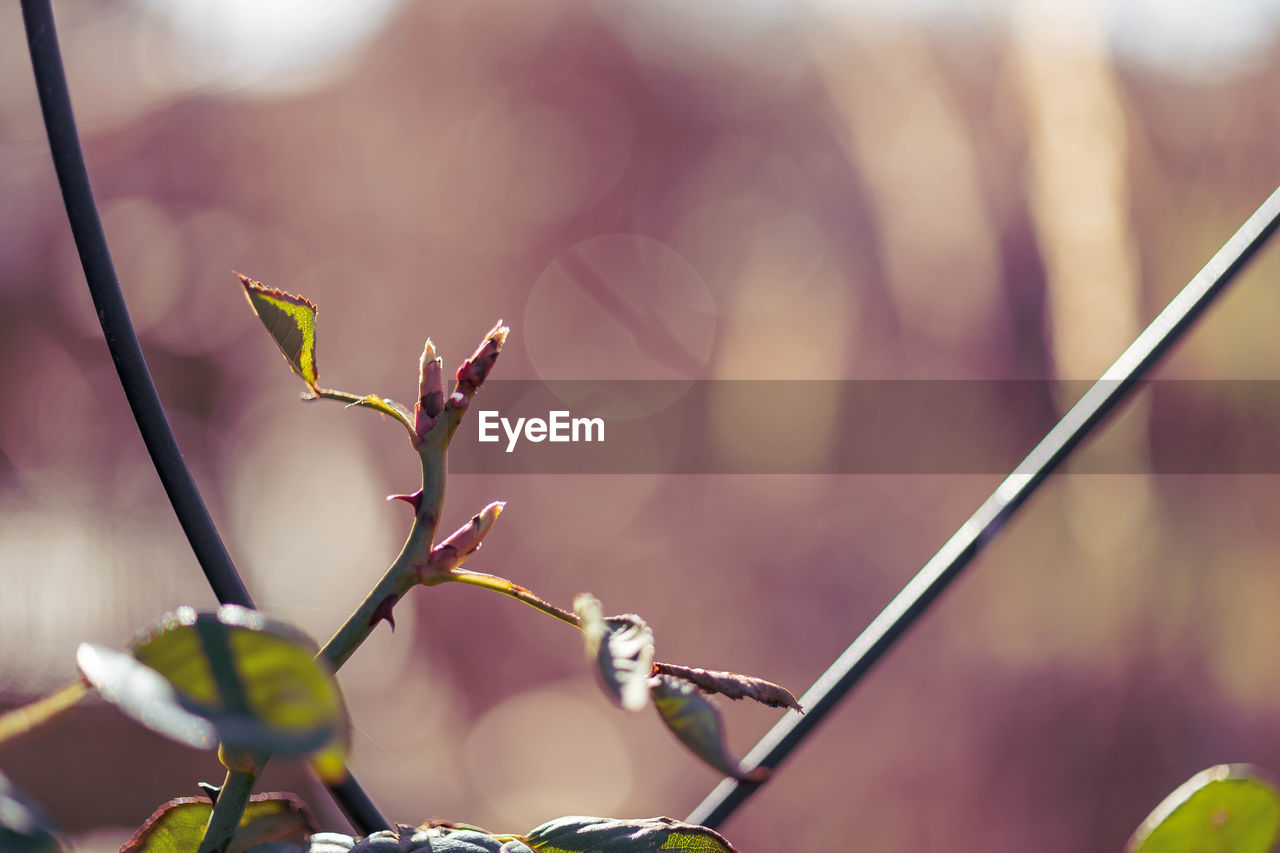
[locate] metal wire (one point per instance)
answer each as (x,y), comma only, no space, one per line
(126,352)
(907,606)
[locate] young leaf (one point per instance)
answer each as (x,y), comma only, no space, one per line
(622,647)
(697,724)
(1229,808)
(386,406)
(254,679)
(24,827)
(291,321)
(733,685)
(178,825)
(603,835)
(143,694)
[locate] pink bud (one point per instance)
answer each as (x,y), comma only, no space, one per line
(430,391)
(465,541)
(475,370)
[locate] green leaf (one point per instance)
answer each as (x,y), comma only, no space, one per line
(291,321)
(1229,808)
(622,647)
(24,827)
(603,835)
(435,837)
(144,695)
(386,406)
(255,680)
(697,724)
(178,825)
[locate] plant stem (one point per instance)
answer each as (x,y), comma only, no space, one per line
(513,590)
(228,811)
(402,576)
(29,717)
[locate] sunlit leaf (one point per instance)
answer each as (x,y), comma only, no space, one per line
(622,647)
(696,723)
(436,837)
(255,679)
(1229,808)
(734,685)
(330,763)
(387,406)
(603,835)
(24,827)
(143,694)
(291,320)
(330,842)
(178,825)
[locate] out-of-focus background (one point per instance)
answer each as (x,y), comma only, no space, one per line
(766,189)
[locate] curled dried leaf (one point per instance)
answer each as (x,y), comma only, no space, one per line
(733,685)
(622,647)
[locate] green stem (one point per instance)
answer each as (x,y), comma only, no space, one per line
(228,811)
(402,576)
(21,720)
(513,590)
(333,394)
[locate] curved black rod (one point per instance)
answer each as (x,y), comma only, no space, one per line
(1120,380)
(131,365)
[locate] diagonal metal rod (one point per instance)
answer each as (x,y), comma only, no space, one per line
(914,599)
(126,352)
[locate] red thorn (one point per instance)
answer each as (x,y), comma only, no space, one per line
(414,500)
(383,611)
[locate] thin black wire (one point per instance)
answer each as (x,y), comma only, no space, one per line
(126,352)
(909,604)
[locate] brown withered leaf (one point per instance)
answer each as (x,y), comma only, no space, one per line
(732,684)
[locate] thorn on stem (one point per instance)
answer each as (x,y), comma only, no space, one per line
(210,791)
(384,611)
(414,500)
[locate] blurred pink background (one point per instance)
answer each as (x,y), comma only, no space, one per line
(768,189)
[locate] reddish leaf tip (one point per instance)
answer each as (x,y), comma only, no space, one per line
(258,287)
(498,334)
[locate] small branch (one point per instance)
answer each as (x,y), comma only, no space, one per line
(402,575)
(508,588)
(30,717)
(330,394)
(382,405)
(228,811)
